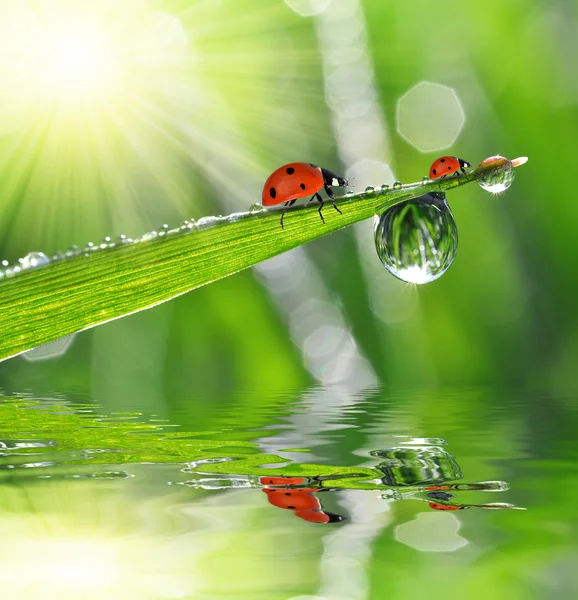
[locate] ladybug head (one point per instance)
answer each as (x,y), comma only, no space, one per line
(464,163)
(333,180)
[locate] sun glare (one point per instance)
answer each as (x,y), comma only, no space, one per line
(76,61)
(110,108)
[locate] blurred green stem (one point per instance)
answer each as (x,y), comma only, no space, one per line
(43,304)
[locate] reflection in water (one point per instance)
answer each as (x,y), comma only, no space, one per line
(287,493)
(118,490)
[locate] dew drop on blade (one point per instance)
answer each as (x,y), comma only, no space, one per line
(500,180)
(34,259)
(417,240)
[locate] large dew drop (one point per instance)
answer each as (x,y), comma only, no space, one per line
(499,180)
(417,240)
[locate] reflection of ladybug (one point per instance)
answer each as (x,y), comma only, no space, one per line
(305,505)
(446,165)
(297,180)
(438,506)
(440,495)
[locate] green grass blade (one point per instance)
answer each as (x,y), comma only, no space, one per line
(43,304)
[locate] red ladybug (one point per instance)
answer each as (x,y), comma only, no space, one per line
(439,506)
(297,180)
(305,505)
(446,165)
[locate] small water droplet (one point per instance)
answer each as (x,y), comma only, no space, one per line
(255,208)
(106,243)
(500,180)
(147,237)
(122,239)
(385,187)
(370,190)
(58,256)
(11,271)
(206,222)
(34,259)
(188,225)
(425,179)
(71,251)
(163,229)
(237,216)
(417,240)
(5,263)
(397,185)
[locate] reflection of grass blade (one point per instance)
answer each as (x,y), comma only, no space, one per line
(44,304)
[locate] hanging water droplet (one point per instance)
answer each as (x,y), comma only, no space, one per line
(417,240)
(369,190)
(34,259)
(397,185)
(499,180)
(385,187)
(255,208)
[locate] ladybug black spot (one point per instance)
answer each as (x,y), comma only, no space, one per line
(443,160)
(302,186)
(273,192)
(449,168)
(290,170)
(287,493)
(434,172)
(291,507)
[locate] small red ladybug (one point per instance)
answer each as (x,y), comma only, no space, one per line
(440,506)
(447,165)
(301,501)
(297,180)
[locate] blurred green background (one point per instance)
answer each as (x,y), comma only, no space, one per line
(117,117)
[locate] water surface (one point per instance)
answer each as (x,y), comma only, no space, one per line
(318,494)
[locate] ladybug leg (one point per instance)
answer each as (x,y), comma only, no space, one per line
(288,205)
(321,203)
(331,195)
